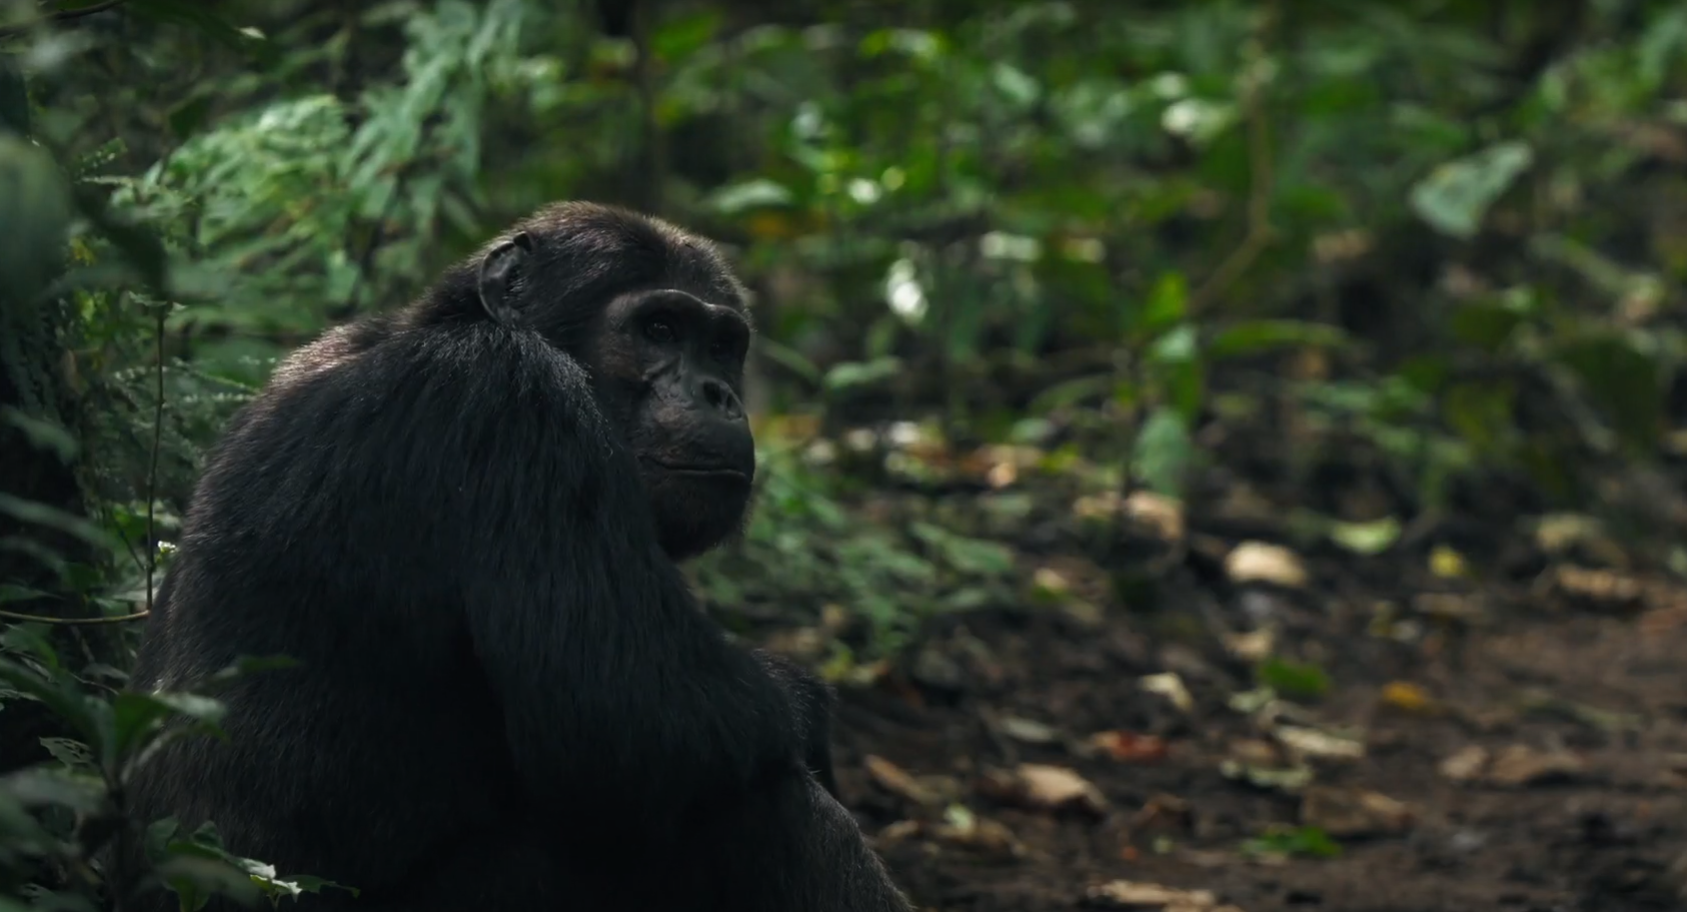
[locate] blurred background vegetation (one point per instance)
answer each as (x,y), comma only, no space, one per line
(1389,274)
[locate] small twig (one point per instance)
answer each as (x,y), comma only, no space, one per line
(39,619)
(70,15)
(1260,232)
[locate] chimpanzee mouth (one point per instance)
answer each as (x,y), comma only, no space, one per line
(702,470)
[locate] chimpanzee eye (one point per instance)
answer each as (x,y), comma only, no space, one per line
(660,331)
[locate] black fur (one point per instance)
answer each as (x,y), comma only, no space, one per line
(508,698)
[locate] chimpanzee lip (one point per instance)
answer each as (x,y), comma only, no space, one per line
(705,470)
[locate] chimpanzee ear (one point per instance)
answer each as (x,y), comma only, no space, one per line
(502,272)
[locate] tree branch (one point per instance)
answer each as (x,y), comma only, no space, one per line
(63,15)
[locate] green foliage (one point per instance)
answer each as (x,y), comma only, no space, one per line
(890,580)
(1385,224)
(1293,679)
(1306,841)
(63,815)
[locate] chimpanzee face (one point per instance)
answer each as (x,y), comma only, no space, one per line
(668,367)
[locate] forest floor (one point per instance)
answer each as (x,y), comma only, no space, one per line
(1457,740)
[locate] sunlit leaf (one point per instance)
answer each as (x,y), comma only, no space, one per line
(752,194)
(1455,196)
(1167,303)
(857,373)
(1366,538)
(1163,452)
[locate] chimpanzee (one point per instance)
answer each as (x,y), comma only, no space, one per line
(463,520)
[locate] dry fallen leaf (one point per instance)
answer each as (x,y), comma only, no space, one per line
(1105,505)
(1520,765)
(964,828)
(1126,894)
(1353,812)
(1599,589)
(1156,513)
(1408,697)
(898,781)
(1254,646)
(1043,787)
(1051,582)
(1263,562)
(1319,745)
(1170,686)
(1512,766)
(1447,563)
(1257,752)
(1466,764)
(1027,731)
(1129,747)
(961,827)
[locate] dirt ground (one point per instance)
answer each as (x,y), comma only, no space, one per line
(1581,705)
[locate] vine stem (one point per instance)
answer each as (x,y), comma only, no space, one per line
(152,470)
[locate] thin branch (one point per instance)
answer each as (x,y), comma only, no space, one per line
(40,619)
(157,440)
(70,15)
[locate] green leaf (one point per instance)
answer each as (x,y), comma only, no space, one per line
(1015,84)
(43,434)
(1175,346)
(249,665)
(51,517)
(1295,679)
(968,555)
(1366,538)
(1163,451)
(1167,303)
(1481,412)
(752,194)
(135,716)
(68,705)
(1486,326)
(1308,841)
(73,754)
(1455,196)
(20,829)
(35,210)
(140,248)
(1068,393)
(855,373)
(790,359)
(1623,382)
(12,592)
(195,879)
(35,788)
(681,36)
(1253,336)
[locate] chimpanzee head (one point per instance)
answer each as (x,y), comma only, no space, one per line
(659,320)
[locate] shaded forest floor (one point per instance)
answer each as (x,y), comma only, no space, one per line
(1502,740)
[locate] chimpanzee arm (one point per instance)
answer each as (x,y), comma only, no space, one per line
(618,696)
(812,700)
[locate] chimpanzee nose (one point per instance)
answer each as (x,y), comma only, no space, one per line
(721,398)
